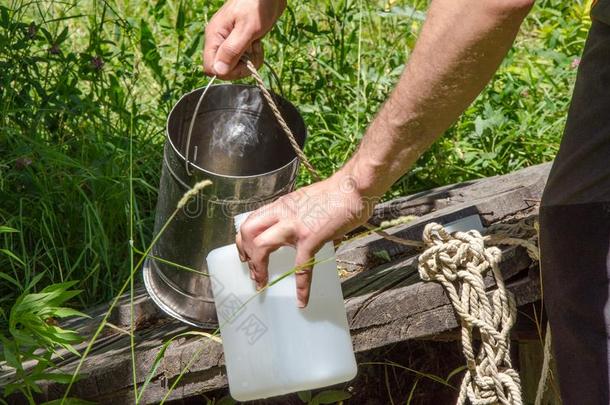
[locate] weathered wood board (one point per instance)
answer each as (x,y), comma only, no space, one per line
(386,302)
(493,199)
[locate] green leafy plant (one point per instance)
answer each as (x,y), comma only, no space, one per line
(94,79)
(33,336)
(383,255)
(324,397)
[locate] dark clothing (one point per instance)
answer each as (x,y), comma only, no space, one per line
(601,11)
(575,229)
(581,172)
(574,242)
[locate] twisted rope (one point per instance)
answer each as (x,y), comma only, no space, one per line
(458,262)
(280,119)
(545,373)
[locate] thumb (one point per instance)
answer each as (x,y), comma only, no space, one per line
(231,50)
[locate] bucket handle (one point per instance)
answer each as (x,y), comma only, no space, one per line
(187,162)
(276,78)
(191,125)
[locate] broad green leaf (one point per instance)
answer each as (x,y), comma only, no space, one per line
(9,356)
(10,279)
(64,312)
(226,400)
(60,286)
(149,50)
(7,229)
(158,9)
(5,20)
(195,45)
(13,256)
(34,281)
(31,382)
(180,21)
(71,349)
(332,396)
(62,36)
(304,396)
(11,388)
(383,254)
(58,335)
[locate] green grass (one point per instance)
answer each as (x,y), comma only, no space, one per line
(81,83)
(78,80)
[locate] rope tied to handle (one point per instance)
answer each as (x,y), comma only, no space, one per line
(280,119)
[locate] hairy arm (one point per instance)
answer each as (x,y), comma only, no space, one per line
(460,47)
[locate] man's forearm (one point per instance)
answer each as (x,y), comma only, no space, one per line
(460,47)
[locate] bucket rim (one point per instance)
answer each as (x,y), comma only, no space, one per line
(227,176)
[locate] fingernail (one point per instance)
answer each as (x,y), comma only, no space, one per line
(221,68)
(252,275)
(300,303)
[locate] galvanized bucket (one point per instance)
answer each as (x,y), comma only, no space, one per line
(238,145)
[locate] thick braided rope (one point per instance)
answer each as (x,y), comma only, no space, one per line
(458,262)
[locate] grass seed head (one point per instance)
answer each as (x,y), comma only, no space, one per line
(193,192)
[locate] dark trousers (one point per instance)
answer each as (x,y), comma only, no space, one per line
(575,233)
(574,242)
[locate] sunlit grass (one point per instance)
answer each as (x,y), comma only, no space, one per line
(85,88)
(67,117)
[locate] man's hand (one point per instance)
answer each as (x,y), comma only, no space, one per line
(304,219)
(237,29)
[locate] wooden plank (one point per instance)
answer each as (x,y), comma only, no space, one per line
(374,309)
(493,199)
(439,198)
(107,375)
(404,272)
(399,314)
(416,311)
(361,253)
(386,303)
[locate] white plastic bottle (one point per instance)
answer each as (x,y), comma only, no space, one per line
(271,346)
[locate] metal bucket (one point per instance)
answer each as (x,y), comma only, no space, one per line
(238,145)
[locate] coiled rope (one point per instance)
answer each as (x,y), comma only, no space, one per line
(458,262)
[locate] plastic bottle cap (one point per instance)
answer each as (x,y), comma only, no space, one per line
(239,219)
